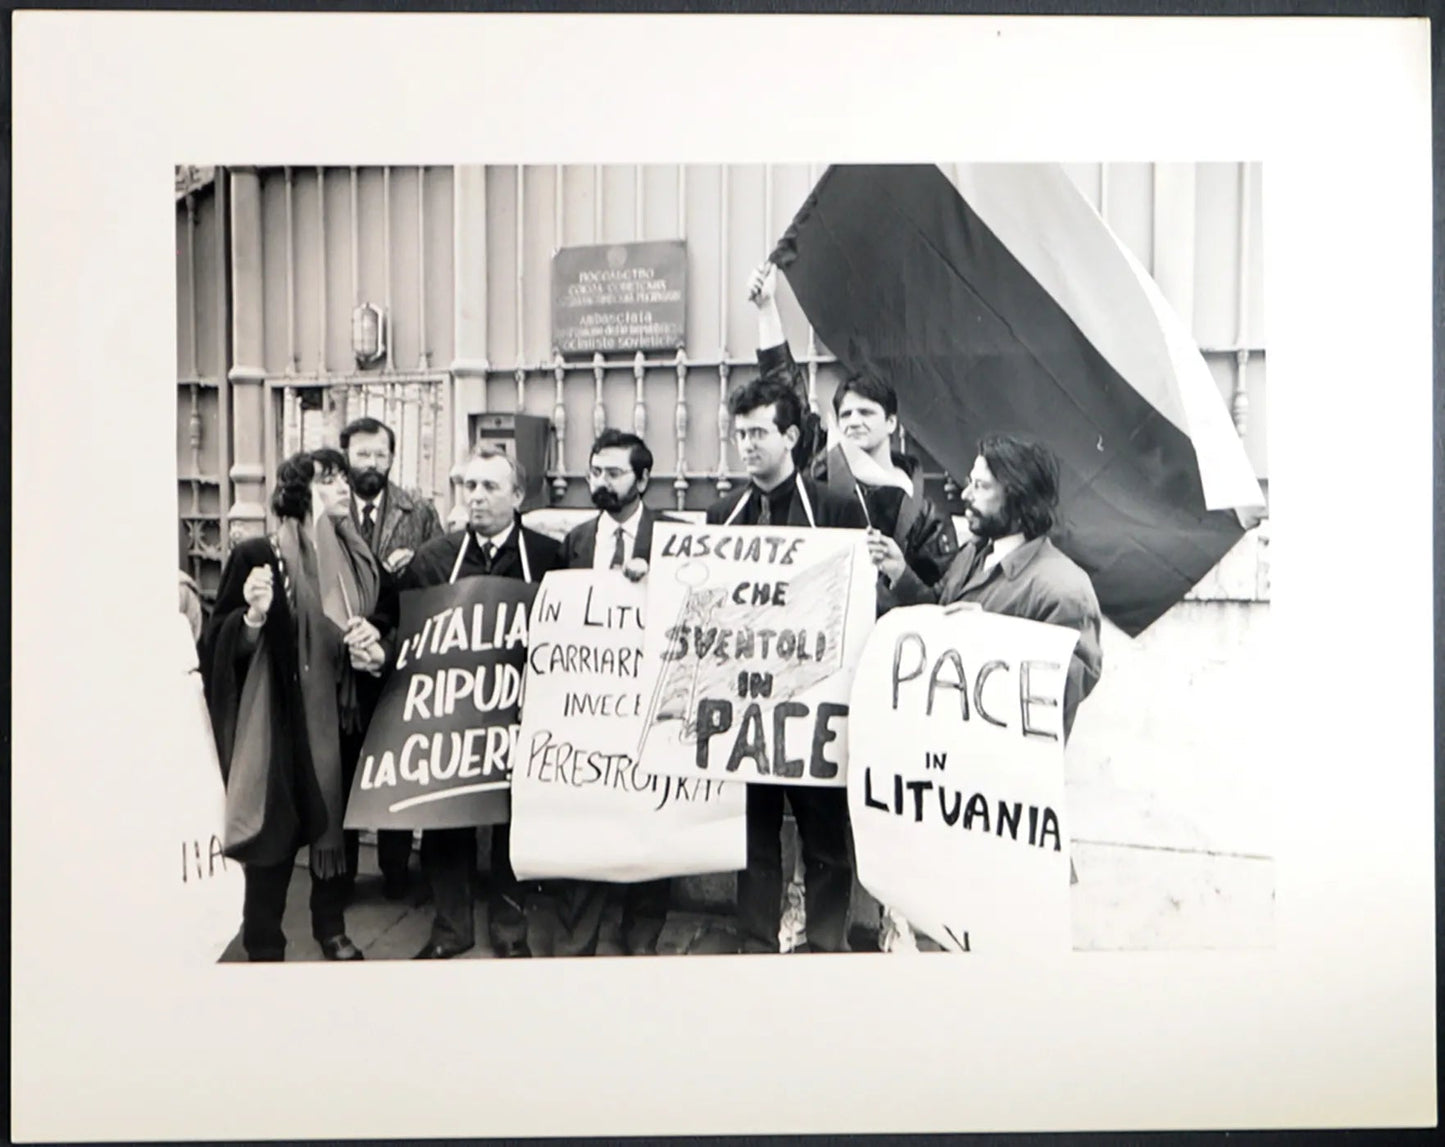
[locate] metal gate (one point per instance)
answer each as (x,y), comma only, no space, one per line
(203,359)
(307,414)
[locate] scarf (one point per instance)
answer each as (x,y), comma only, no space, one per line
(332,575)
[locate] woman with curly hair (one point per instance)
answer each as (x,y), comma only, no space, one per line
(279,659)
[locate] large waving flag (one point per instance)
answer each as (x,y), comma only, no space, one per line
(995,299)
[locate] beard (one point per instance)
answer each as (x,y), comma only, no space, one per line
(606,499)
(990,527)
(368,483)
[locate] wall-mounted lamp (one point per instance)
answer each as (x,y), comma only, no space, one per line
(368,334)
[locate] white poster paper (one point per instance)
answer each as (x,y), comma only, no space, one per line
(956,788)
(755,637)
(581,806)
(208,889)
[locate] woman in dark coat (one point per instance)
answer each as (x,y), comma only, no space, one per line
(281,687)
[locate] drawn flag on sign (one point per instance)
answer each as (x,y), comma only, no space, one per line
(997,300)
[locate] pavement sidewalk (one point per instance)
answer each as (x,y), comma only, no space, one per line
(396,929)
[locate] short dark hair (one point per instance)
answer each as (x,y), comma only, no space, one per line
(866,386)
(368,426)
(769,390)
(639,457)
(292,496)
(1029,474)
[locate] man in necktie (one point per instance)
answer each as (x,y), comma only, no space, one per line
(769,417)
(1010,566)
(618,538)
(494,543)
(394,526)
(394,523)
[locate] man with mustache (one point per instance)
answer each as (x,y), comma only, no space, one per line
(394,525)
(618,538)
(1010,566)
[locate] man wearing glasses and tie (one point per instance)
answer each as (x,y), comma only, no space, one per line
(771,430)
(618,538)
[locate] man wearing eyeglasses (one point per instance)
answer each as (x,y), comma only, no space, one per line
(618,538)
(772,433)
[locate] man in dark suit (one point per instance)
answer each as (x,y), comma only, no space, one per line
(768,420)
(493,543)
(395,525)
(618,538)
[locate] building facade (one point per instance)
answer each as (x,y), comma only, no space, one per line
(308,296)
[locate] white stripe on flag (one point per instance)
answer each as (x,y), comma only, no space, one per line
(1044,221)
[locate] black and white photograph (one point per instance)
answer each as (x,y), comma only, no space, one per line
(385,375)
(688,488)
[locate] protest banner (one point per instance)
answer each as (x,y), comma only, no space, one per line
(439,748)
(956,788)
(581,806)
(755,635)
(209,889)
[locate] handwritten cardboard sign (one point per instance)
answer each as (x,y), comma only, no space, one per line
(754,636)
(439,749)
(581,806)
(956,786)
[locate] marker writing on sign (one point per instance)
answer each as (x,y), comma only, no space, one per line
(1043,823)
(949,676)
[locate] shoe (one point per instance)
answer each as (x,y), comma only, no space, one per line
(396,885)
(516,950)
(341,948)
(435,951)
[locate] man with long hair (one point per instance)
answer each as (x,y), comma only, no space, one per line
(1010,566)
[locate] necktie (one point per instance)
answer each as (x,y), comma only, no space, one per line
(368,522)
(619,555)
(489,555)
(765,509)
(980,563)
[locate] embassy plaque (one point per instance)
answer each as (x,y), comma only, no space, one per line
(619,297)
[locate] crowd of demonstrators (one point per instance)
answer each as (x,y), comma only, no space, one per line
(302,638)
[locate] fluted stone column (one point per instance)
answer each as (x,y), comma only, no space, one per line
(247,374)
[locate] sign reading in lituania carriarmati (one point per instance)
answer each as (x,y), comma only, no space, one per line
(581,806)
(752,638)
(620,297)
(956,776)
(439,749)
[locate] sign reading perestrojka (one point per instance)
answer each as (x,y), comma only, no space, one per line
(619,297)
